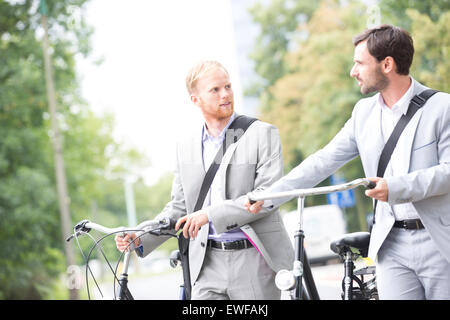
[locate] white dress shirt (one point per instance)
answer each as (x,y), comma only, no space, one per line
(389,118)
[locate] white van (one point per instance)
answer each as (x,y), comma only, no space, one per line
(321,225)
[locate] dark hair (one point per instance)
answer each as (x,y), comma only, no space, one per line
(387,40)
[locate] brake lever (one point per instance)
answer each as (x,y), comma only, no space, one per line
(80,228)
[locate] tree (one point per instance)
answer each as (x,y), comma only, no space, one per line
(31,253)
(431,64)
(395,10)
(278,21)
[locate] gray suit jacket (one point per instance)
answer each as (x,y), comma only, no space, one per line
(253,162)
(425,183)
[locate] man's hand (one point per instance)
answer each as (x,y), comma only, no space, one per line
(380,192)
(192,223)
(123,243)
(254,208)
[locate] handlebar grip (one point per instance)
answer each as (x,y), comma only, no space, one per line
(250,198)
(173,222)
(371,185)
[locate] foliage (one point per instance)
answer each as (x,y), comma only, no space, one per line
(31,256)
(318,92)
(278,21)
(394,10)
(431,64)
(313,101)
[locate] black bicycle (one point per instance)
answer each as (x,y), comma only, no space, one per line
(299,282)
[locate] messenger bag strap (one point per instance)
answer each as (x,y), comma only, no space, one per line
(232,135)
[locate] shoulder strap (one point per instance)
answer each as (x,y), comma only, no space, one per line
(234,132)
(416,103)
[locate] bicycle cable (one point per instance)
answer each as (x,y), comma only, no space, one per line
(156,231)
(87,263)
(127,247)
(86,260)
(114,272)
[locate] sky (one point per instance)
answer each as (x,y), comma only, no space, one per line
(146,48)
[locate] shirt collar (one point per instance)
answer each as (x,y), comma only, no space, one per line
(207,136)
(403,102)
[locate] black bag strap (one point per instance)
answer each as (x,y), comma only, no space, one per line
(417,102)
(232,135)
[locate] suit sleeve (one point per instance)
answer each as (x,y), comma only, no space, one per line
(321,164)
(231,214)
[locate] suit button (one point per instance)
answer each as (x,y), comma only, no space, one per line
(202,244)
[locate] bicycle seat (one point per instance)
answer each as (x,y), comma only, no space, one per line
(357,240)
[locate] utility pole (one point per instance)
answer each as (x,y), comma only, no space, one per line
(61,183)
(129,201)
(131,209)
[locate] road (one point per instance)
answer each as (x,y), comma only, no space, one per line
(165,284)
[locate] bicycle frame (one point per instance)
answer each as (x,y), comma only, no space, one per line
(301,268)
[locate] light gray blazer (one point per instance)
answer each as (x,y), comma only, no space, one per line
(425,183)
(253,162)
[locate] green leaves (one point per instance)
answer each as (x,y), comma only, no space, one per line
(31,252)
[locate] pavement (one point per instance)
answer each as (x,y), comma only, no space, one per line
(164,284)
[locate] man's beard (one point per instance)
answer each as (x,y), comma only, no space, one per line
(380,83)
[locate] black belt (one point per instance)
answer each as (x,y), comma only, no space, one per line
(411,224)
(230,245)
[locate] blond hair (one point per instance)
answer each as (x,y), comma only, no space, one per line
(199,70)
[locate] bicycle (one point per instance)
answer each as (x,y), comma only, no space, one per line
(155,227)
(299,282)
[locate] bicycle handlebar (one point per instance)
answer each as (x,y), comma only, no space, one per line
(253,197)
(85,226)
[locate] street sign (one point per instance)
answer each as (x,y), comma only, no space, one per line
(343,199)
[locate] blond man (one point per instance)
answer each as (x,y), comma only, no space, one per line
(224,238)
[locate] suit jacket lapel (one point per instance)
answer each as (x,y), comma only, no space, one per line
(190,161)
(222,172)
(407,137)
